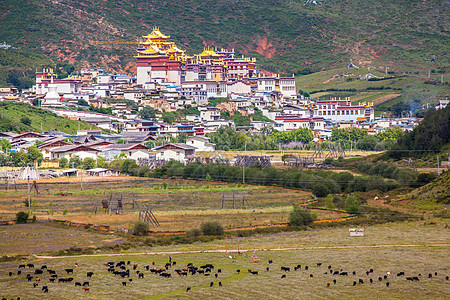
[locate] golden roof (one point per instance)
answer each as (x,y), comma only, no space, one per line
(208,52)
(156,34)
(174,49)
(150,50)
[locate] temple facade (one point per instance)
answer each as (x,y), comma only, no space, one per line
(212,73)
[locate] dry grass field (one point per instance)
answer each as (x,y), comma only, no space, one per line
(178,204)
(415,247)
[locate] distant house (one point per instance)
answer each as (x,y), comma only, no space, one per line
(175,151)
(201,143)
(102,172)
(28,136)
(70,151)
(131,151)
(55,143)
(84,139)
(137,137)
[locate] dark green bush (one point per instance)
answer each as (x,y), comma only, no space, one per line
(300,216)
(140,228)
(22,217)
(212,228)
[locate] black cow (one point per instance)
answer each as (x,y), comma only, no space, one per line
(38,271)
(124,283)
(89,274)
(286,269)
(86,283)
(30,265)
(283,276)
(69,271)
(141,275)
(311,275)
(188,289)
(211,284)
(334,281)
(401,274)
(44,267)
(220,283)
(45,289)
(77,283)
(21,266)
(354,283)
(387,284)
(361,281)
(11,274)
(35,285)
(343,274)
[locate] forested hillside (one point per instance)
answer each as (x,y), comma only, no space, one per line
(286,36)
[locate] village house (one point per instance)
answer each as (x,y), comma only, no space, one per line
(55,143)
(128,151)
(70,151)
(201,142)
(176,151)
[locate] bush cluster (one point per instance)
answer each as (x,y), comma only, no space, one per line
(320,182)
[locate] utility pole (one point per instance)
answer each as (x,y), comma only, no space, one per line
(28,189)
(243,165)
(437,157)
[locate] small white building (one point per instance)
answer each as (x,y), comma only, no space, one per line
(70,151)
(130,151)
(201,143)
(175,151)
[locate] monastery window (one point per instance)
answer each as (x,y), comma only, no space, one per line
(333,113)
(351,112)
(338,112)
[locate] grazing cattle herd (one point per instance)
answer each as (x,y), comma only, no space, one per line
(44,278)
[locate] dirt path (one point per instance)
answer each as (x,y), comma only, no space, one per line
(248,250)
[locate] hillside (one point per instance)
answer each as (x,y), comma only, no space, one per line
(17,67)
(13,118)
(285,36)
(434,195)
(412,88)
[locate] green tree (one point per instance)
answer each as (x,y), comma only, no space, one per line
(300,216)
(212,228)
(82,102)
(140,228)
(88,163)
(25,120)
(367,143)
(74,162)
(329,202)
(348,134)
(101,162)
(147,113)
(5,145)
(33,154)
(352,205)
(389,134)
(63,162)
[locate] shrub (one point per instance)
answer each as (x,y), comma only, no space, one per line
(140,228)
(22,217)
(352,205)
(320,190)
(300,216)
(63,162)
(212,228)
(193,232)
